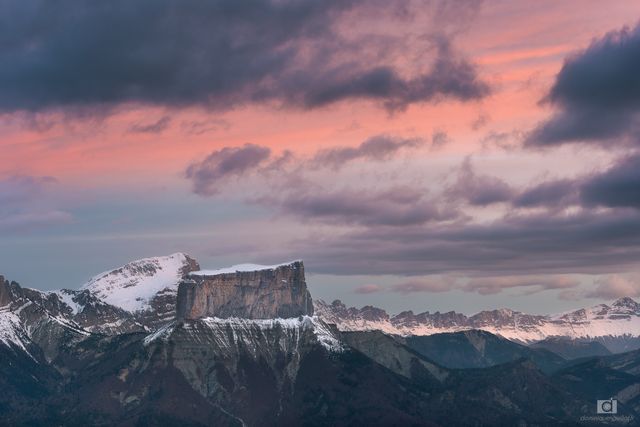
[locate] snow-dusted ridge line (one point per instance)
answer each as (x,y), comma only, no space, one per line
(620,319)
(322,331)
(241,268)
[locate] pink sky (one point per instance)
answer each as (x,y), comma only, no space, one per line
(125,161)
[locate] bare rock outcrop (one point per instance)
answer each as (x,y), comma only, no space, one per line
(245,291)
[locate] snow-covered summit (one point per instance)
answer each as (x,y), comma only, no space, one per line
(619,308)
(133,286)
(626,304)
(241,268)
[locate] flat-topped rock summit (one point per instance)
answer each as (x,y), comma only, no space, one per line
(247,291)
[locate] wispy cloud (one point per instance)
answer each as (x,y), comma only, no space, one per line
(367,289)
(151,127)
(380,147)
(207,175)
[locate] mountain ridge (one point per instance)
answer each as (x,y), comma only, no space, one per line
(241,371)
(619,320)
(150,286)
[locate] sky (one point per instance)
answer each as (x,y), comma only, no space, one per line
(422,155)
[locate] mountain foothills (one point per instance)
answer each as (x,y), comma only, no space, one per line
(159,341)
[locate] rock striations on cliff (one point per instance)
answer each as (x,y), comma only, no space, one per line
(245,291)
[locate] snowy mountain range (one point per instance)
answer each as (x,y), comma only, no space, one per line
(617,324)
(141,296)
(138,297)
(114,352)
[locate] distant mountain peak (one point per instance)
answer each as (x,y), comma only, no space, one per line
(627,302)
(133,286)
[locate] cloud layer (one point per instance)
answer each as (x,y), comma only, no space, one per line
(596,94)
(588,242)
(216,54)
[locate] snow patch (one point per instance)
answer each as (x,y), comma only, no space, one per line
(239,268)
(162,333)
(243,327)
(66,296)
(323,333)
(11,331)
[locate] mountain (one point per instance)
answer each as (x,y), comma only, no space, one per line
(616,376)
(146,288)
(248,291)
(136,297)
(394,355)
(160,342)
(572,348)
(616,326)
(514,393)
(479,349)
(136,286)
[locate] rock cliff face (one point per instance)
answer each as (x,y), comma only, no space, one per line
(246,291)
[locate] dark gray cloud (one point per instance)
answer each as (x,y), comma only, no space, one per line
(479,190)
(395,207)
(618,186)
(596,94)
(208,174)
(451,76)
(550,193)
(218,54)
(153,127)
(585,242)
(380,147)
